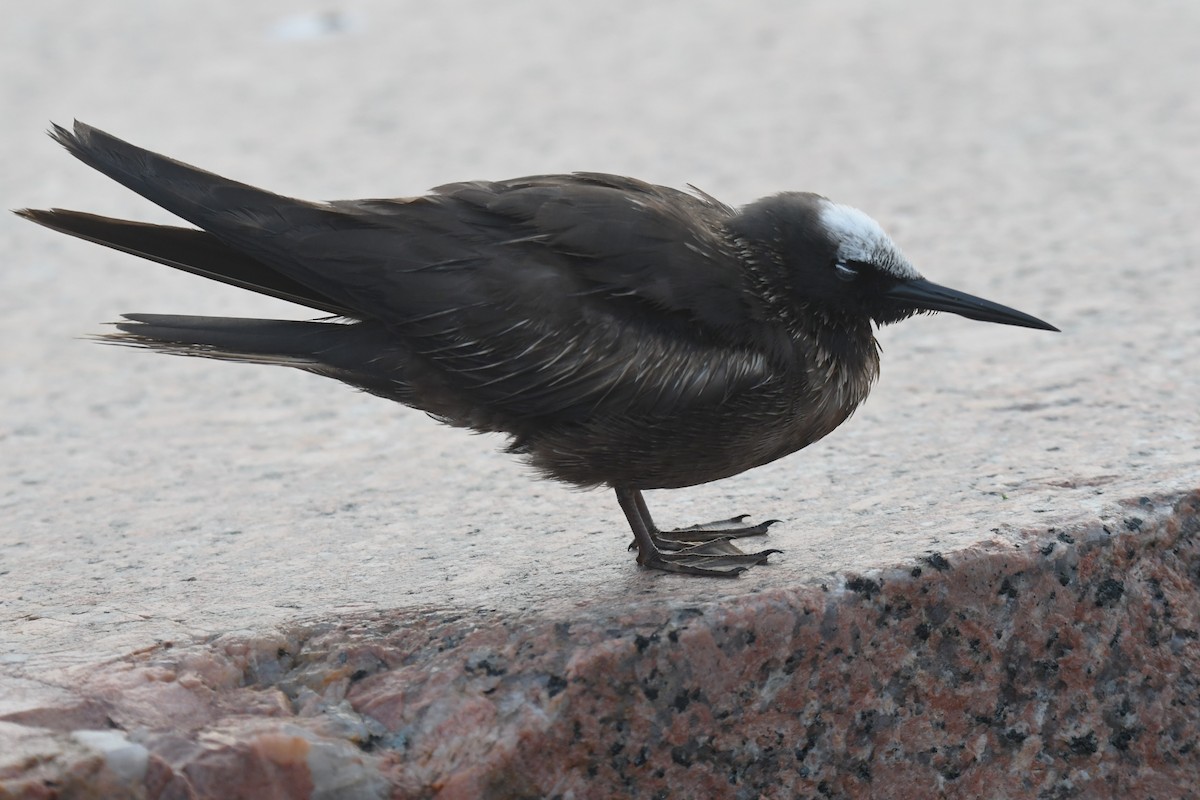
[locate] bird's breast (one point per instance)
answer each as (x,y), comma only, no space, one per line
(837,386)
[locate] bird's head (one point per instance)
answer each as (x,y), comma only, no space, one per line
(838,260)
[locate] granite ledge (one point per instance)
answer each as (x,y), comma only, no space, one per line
(1065,666)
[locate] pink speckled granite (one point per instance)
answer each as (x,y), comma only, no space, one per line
(1065,667)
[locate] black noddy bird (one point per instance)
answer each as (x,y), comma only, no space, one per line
(621,333)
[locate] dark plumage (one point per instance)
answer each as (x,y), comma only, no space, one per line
(621,333)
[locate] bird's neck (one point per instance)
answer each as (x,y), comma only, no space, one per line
(838,349)
(840,353)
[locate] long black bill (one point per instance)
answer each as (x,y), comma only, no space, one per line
(929,296)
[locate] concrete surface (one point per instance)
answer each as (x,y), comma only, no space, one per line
(1044,156)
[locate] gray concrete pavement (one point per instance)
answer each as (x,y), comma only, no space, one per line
(1041,155)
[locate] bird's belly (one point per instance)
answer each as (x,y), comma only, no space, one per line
(688,448)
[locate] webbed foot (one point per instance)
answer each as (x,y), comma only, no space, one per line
(706,532)
(705,549)
(700,560)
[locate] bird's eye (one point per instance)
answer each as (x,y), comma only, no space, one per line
(846,272)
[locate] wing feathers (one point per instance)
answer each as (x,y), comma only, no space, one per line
(184,249)
(536,297)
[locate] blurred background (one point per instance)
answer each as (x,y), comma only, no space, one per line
(1041,106)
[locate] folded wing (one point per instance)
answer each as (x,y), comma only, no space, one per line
(536,297)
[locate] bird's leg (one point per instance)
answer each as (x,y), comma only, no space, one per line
(718,558)
(717,531)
